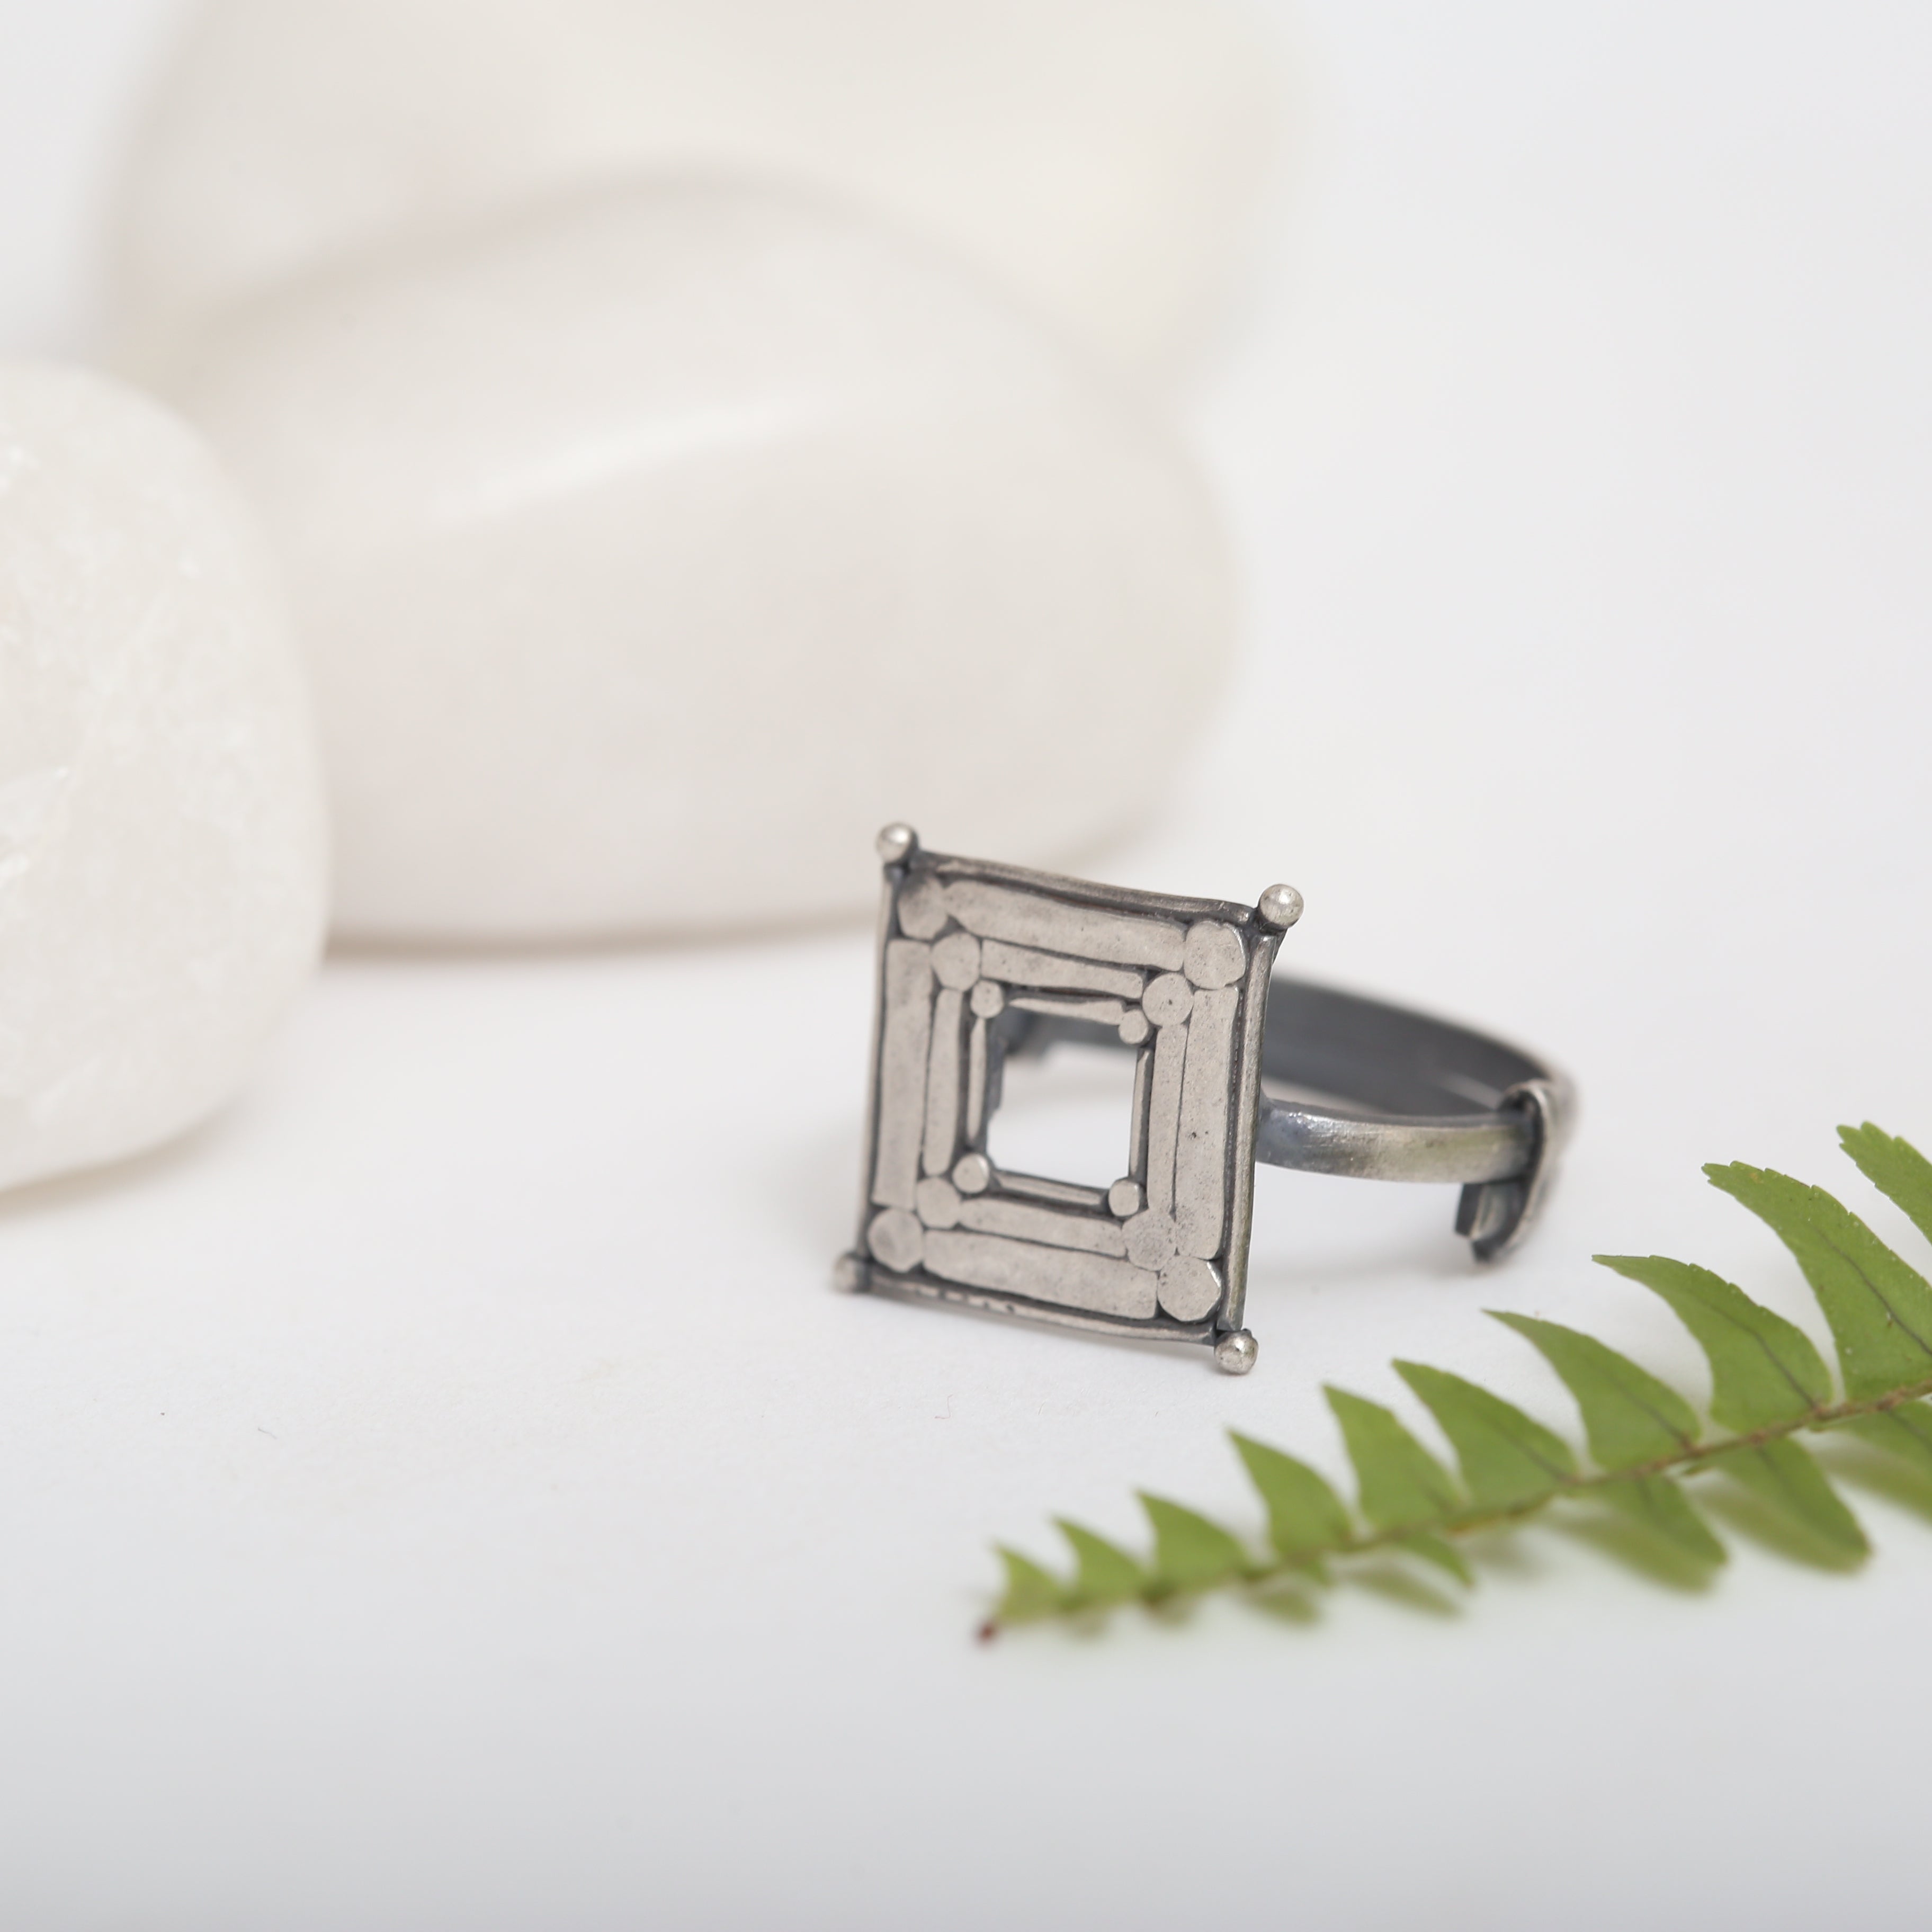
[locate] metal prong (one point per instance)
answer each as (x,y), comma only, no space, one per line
(848,1274)
(1280,907)
(1235,1354)
(897,843)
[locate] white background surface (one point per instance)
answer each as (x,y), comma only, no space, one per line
(445,1493)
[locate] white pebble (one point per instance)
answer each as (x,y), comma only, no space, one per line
(1098,156)
(652,549)
(162,848)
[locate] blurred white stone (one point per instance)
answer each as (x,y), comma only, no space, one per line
(1099,157)
(162,851)
(652,550)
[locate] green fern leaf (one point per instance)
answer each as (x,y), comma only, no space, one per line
(1880,1310)
(1768,1385)
(1629,1416)
(1105,1573)
(1763,1370)
(1906,1432)
(1434,1549)
(1896,1169)
(1508,1458)
(1031,1594)
(1190,1553)
(1785,1473)
(1306,1517)
(1663,1508)
(1402,1485)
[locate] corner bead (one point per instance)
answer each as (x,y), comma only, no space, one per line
(1214,957)
(1168,1000)
(974,1175)
(1235,1354)
(989,1000)
(1280,907)
(897,1239)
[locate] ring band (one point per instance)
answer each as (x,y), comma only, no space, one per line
(981,963)
(1423,1099)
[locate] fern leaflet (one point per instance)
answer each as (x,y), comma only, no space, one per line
(1769,1387)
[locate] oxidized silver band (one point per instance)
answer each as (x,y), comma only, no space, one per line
(980,963)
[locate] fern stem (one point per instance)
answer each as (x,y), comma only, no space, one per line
(1879,1311)
(1823,1416)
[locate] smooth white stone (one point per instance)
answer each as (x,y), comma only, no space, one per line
(651,549)
(1099,157)
(162,849)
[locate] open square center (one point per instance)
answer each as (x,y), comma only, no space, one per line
(1066,1113)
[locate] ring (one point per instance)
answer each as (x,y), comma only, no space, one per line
(979,964)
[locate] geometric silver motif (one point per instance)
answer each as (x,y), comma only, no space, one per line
(979,962)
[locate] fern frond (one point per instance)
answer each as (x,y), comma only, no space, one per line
(1769,1386)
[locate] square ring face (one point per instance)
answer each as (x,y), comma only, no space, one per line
(978,961)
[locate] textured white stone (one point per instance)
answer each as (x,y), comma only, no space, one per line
(653,548)
(162,854)
(1097,156)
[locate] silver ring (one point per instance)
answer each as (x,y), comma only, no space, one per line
(980,963)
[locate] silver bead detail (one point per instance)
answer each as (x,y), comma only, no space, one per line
(955,961)
(1168,1000)
(937,1203)
(989,1000)
(896,1238)
(896,844)
(974,1175)
(1150,1238)
(1280,906)
(1235,1354)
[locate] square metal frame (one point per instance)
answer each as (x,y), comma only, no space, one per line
(976,959)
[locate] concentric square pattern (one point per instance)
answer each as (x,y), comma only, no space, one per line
(977,961)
